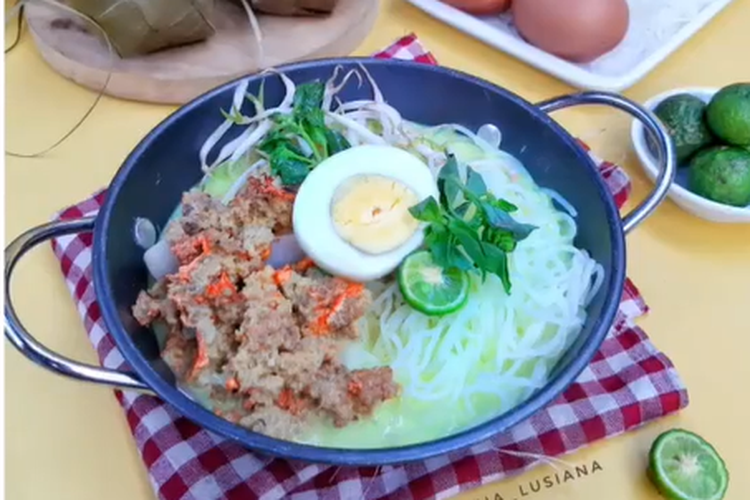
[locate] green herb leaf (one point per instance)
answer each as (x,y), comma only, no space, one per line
(316,138)
(497,263)
(290,170)
(456,258)
(449,183)
(500,219)
(469,228)
(467,237)
(427,210)
(475,183)
(503,205)
(289,164)
(305,125)
(336,142)
(502,239)
(308,99)
(463,211)
(438,240)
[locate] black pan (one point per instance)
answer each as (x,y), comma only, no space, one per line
(151,180)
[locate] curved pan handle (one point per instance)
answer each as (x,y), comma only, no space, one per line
(26,343)
(665,148)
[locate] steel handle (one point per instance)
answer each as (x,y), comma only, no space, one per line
(17,334)
(665,148)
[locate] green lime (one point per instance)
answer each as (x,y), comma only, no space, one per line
(429,288)
(728,114)
(683,116)
(683,466)
(721,174)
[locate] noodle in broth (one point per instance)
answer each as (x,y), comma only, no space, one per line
(459,370)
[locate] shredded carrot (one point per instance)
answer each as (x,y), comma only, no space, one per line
(266,186)
(233,385)
(266,253)
(204,245)
(183,273)
(285,398)
(201,358)
(222,288)
(287,401)
(187,249)
(201,246)
(322,325)
(304,265)
(282,275)
(355,387)
(218,412)
(248,404)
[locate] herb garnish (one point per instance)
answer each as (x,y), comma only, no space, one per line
(469,228)
(301,140)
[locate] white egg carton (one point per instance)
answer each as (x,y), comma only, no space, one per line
(657,28)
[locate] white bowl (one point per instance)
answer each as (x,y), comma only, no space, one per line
(688,201)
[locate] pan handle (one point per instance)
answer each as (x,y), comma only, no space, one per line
(17,334)
(664,146)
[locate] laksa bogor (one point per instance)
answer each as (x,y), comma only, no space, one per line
(343,277)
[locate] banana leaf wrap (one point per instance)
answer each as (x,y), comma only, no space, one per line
(137,27)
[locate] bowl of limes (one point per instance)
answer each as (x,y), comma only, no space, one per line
(710,128)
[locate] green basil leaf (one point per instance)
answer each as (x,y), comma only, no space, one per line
(475,183)
(501,204)
(427,210)
(500,219)
(449,183)
(462,210)
(497,263)
(468,239)
(336,142)
(504,240)
(458,260)
(438,241)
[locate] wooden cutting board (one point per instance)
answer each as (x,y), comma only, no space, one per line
(177,75)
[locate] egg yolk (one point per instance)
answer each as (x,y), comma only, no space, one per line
(371,213)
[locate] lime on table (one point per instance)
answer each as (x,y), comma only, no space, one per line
(683,116)
(721,174)
(431,289)
(686,467)
(728,114)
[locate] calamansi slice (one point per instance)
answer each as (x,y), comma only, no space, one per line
(683,466)
(429,288)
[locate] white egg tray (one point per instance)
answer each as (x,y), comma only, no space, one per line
(657,28)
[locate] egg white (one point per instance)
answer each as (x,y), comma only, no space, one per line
(312,219)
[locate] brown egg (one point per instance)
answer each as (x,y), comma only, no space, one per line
(480,7)
(576,30)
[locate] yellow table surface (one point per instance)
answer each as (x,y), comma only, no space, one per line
(68,440)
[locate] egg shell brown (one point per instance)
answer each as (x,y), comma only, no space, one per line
(576,30)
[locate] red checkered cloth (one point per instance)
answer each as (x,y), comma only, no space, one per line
(628,384)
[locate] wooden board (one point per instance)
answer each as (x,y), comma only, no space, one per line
(177,75)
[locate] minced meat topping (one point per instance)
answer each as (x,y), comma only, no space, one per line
(265,342)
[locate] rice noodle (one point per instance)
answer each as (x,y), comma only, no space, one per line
(494,353)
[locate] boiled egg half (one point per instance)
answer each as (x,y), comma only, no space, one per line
(351,214)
